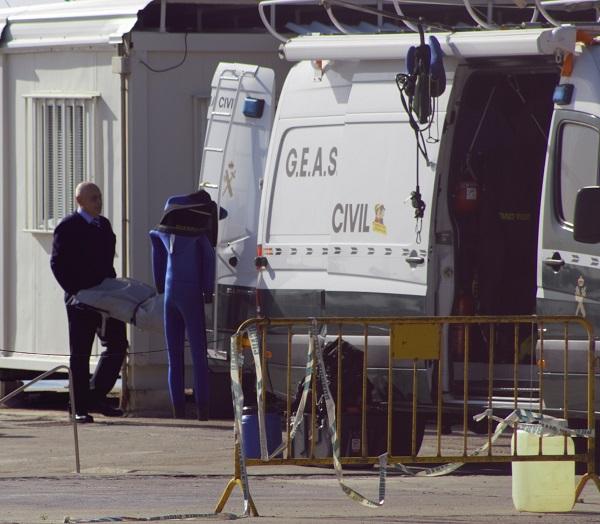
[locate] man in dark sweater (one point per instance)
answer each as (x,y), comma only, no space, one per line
(82,257)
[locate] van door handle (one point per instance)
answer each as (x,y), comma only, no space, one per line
(415,260)
(556,263)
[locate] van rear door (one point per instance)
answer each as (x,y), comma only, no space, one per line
(239,120)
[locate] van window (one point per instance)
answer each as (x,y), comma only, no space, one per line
(579,145)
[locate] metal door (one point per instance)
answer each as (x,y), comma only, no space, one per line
(568,271)
(239,122)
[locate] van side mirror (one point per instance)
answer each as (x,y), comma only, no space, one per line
(586,227)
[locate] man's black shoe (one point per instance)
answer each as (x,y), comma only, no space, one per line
(83,418)
(104,408)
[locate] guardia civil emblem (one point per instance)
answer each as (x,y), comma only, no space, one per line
(228,178)
(377,225)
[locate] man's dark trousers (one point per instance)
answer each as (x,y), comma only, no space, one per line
(84,325)
(82,257)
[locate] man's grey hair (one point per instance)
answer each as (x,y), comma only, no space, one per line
(82,187)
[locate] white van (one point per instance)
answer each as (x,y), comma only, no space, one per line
(512,140)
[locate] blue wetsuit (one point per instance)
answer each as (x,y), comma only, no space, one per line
(184,268)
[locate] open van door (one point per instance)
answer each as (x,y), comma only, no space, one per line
(568,269)
(239,121)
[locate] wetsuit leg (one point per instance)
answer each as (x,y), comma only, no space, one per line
(175,335)
(193,312)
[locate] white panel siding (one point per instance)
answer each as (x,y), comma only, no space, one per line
(37,321)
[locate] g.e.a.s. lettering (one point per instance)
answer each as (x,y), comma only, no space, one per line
(311,162)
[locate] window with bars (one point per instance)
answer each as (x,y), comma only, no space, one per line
(61,146)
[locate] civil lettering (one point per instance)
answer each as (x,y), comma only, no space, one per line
(225,103)
(345,218)
(350,218)
(336,226)
(354,217)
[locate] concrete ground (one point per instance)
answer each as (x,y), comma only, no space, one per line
(144,467)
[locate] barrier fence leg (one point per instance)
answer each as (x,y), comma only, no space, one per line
(235,481)
(591,422)
(583,482)
(71,399)
(591,473)
(74,422)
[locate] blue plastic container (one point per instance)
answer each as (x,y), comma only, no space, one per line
(250,431)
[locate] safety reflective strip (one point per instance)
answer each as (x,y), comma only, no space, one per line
(550,424)
(255,347)
(518,416)
(298,417)
(446,469)
(335,444)
(237,394)
(236,361)
(538,423)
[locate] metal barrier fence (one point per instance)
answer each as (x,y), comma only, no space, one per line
(44,375)
(411,369)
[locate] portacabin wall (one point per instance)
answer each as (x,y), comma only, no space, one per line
(35,317)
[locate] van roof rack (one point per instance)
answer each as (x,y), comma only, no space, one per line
(473,8)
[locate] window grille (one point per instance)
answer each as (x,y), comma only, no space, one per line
(61,155)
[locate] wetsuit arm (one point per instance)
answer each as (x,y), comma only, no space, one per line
(207,269)
(159,261)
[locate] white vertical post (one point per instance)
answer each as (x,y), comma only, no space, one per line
(379,16)
(55,164)
(62,177)
(49,163)
(5,224)
(92,162)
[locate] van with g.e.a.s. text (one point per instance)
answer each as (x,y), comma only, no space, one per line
(460,201)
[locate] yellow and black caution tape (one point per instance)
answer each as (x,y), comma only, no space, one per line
(236,362)
(527,420)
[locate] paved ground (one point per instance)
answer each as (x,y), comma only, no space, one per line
(141,467)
